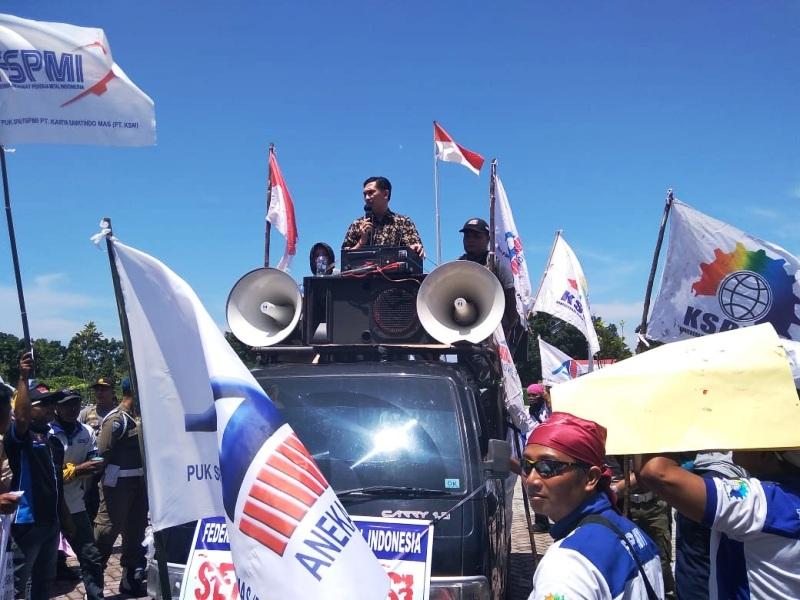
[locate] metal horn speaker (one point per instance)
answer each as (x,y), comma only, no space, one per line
(460,301)
(263,307)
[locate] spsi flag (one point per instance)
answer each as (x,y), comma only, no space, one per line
(508,248)
(290,537)
(558,367)
(718,278)
(564,293)
(60,85)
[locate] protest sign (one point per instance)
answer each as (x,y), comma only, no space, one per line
(209,573)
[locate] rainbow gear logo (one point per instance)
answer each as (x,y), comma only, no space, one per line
(738,489)
(751,288)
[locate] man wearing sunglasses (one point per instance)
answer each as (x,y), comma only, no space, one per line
(597,553)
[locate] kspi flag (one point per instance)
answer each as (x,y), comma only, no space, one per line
(718,278)
(60,85)
(281,211)
(558,367)
(564,292)
(448,150)
(508,247)
(290,537)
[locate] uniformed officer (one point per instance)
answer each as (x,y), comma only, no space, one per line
(123,495)
(105,402)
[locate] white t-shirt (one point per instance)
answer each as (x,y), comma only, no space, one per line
(78,448)
(755,538)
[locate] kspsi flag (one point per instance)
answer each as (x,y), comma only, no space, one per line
(60,85)
(564,292)
(718,278)
(508,248)
(448,150)
(290,537)
(281,211)
(558,367)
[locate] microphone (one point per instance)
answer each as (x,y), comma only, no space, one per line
(368,216)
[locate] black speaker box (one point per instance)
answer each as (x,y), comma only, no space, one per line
(366,310)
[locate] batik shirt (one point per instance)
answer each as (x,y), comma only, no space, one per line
(392,230)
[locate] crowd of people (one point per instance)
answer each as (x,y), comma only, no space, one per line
(71,475)
(737,513)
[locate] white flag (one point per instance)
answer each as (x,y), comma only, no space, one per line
(558,367)
(512,387)
(564,292)
(191,385)
(60,85)
(718,278)
(509,249)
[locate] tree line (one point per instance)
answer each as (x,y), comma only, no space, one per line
(89,355)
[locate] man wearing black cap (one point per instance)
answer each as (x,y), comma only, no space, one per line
(81,462)
(476,249)
(36,470)
(105,402)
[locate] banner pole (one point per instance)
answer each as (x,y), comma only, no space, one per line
(267,224)
(515,432)
(492,199)
(12,239)
(436,203)
(648,293)
(158,542)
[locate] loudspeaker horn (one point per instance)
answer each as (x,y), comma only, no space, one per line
(263,307)
(460,301)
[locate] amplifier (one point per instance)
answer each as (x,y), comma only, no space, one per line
(369,258)
(362,310)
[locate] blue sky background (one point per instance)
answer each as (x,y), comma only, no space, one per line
(592,109)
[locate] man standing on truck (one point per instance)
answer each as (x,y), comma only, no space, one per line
(380,226)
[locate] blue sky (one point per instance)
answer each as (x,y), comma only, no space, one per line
(592,109)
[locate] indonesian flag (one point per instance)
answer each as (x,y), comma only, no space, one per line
(449,151)
(281,211)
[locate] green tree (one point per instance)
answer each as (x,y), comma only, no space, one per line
(247,355)
(91,356)
(569,340)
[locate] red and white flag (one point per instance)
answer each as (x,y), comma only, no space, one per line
(449,151)
(281,211)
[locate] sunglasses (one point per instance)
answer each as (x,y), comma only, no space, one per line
(548,467)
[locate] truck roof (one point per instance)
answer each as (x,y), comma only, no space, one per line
(366,367)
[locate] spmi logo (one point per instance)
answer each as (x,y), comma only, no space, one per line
(749,287)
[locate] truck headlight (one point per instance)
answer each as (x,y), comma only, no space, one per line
(459,588)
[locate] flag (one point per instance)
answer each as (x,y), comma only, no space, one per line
(557,366)
(512,387)
(508,248)
(717,277)
(262,479)
(449,151)
(564,292)
(60,85)
(281,211)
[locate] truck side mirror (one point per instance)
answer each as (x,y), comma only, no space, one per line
(498,459)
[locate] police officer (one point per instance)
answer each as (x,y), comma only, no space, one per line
(123,495)
(105,402)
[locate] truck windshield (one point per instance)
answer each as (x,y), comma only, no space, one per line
(367,431)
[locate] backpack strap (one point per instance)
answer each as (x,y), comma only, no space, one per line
(601,520)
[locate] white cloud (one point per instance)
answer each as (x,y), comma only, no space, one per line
(53,310)
(763,212)
(616,312)
(795,193)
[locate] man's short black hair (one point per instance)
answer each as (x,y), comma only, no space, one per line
(5,395)
(381,183)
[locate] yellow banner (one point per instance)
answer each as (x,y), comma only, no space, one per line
(731,390)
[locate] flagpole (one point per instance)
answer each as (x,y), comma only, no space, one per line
(158,542)
(547,266)
(12,239)
(654,266)
(436,202)
(492,199)
(267,224)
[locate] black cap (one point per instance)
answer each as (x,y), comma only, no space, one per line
(103,382)
(476,224)
(68,396)
(41,394)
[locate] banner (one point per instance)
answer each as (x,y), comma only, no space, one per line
(558,367)
(728,390)
(403,548)
(290,537)
(718,278)
(512,387)
(508,247)
(564,292)
(60,85)
(281,211)
(209,573)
